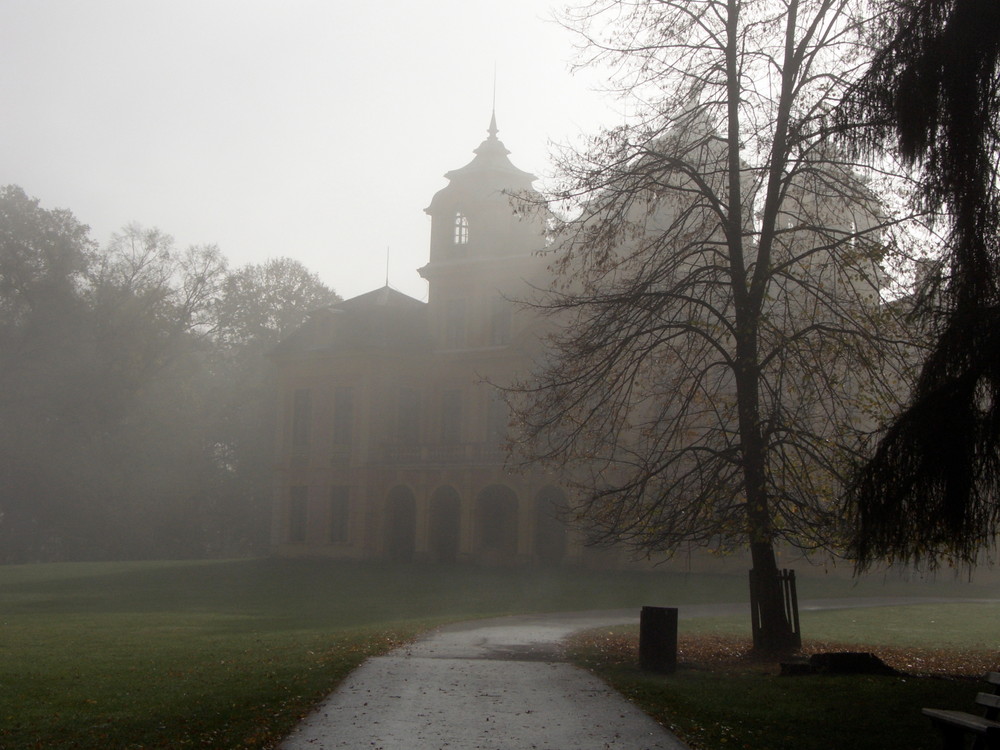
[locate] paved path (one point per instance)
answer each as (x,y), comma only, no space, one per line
(498,685)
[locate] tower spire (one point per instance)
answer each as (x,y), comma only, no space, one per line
(493,117)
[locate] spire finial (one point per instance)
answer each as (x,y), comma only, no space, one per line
(493,118)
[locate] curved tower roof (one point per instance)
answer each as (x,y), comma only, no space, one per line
(490,171)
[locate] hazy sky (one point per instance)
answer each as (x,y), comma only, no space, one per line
(314,130)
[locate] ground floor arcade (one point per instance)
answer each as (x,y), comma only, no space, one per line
(479,517)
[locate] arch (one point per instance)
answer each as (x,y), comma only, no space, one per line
(496,524)
(444,530)
(400,524)
(550,529)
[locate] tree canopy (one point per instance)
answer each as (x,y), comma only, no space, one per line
(136,416)
(932,94)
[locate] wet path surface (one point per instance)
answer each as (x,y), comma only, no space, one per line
(492,684)
(499,685)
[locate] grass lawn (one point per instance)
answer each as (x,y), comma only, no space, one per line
(721,697)
(232,654)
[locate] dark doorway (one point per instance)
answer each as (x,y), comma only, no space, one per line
(400,524)
(496,515)
(445,523)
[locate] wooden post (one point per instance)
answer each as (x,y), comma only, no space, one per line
(759,590)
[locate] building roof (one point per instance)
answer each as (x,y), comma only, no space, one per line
(491,156)
(490,173)
(380,319)
(385,296)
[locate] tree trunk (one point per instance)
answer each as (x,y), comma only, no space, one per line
(776,634)
(775,631)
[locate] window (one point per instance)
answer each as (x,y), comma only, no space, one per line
(297,514)
(497,419)
(461,229)
(500,323)
(451,417)
(454,324)
(339,510)
(408,422)
(301,417)
(343,414)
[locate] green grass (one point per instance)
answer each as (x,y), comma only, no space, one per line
(945,625)
(232,654)
(713,711)
(747,704)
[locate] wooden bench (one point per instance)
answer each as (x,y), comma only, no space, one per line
(984,728)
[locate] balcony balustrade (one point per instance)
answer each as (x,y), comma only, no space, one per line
(443,453)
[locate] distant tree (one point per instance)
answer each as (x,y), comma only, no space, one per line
(136,411)
(258,305)
(721,348)
(932,94)
(261,303)
(147,300)
(44,254)
(141,390)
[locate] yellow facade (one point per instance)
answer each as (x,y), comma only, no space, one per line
(391,431)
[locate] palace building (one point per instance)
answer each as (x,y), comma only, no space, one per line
(390,430)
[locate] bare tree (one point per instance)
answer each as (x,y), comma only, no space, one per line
(722,349)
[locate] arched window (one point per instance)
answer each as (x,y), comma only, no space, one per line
(461,229)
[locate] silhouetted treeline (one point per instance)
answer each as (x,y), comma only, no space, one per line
(136,407)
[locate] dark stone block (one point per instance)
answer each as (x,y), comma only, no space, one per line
(849,662)
(796,668)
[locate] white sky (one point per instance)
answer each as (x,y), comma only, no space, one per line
(315,130)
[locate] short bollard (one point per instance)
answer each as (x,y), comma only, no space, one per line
(658,639)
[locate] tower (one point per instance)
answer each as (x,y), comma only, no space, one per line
(486,233)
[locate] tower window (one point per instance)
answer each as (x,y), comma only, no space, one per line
(409,417)
(454,324)
(343,414)
(461,229)
(500,323)
(339,513)
(451,417)
(301,418)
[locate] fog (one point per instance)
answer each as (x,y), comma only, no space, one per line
(138,422)
(199,141)
(314,130)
